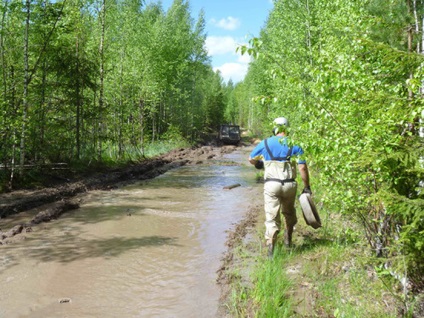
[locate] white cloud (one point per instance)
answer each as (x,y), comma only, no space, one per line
(225,46)
(229,23)
(217,45)
(234,71)
(245,59)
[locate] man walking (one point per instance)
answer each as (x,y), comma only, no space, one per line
(274,154)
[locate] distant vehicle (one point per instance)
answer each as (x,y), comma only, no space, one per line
(229,134)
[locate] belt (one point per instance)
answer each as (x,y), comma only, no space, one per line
(281,181)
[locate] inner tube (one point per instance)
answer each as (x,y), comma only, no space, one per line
(309,210)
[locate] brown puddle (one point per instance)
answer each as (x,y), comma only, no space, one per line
(151,249)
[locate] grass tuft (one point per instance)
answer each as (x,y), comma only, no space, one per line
(328,273)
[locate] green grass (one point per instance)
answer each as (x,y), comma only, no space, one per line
(38,177)
(272,287)
(329,272)
(162,147)
(111,154)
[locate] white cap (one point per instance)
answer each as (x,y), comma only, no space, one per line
(281,121)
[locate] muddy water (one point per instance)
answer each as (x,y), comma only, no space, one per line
(151,249)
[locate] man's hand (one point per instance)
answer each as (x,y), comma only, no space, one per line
(307,190)
(259,164)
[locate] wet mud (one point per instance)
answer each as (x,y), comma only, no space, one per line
(23,200)
(54,202)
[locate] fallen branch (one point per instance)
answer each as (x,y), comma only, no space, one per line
(232,186)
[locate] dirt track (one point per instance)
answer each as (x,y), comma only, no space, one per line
(53,201)
(22,200)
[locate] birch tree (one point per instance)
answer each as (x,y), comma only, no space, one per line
(346,74)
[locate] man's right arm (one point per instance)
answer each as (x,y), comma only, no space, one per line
(252,161)
(255,155)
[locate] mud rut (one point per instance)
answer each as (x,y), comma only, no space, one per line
(51,202)
(54,201)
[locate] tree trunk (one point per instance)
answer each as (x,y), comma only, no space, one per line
(26,83)
(142,125)
(417,24)
(42,111)
(12,170)
(153,127)
(2,54)
(121,108)
(78,102)
(308,32)
(102,71)
(422,35)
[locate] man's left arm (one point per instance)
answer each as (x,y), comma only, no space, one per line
(304,174)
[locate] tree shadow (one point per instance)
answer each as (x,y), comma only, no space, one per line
(310,242)
(72,248)
(97,214)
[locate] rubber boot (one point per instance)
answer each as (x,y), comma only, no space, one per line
(271,245)
(288,236)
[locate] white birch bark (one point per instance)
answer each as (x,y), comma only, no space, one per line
(26,82)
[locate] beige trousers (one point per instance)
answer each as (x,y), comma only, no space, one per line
(279,197)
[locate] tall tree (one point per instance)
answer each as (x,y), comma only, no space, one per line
(26,83)
(345,82)
(80,78)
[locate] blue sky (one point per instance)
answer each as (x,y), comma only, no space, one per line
(229,23)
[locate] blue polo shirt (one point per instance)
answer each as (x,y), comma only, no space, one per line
(278,149)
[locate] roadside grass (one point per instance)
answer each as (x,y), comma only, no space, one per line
(135,153)
(111,157)
(161,147)
(329,272)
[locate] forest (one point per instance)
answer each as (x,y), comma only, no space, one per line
(100,80)
(96,81)
(349,76)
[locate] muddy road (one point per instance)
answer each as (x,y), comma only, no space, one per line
(132,246)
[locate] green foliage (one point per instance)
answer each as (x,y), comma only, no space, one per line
(173,134)
(104,80)
(341,72)
(390,19)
